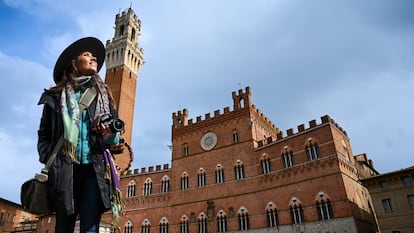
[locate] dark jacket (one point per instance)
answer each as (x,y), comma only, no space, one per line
(61,172)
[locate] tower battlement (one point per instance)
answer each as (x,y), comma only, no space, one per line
(127,25)
(147,170)
(326,119)
(128,13)
(241,101)
(124,48)
(180,118)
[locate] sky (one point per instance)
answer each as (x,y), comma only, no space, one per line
(349,59)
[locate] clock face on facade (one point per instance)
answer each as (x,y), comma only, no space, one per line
(208,141)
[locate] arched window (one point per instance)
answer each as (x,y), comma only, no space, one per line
(243,217)
(221,221)
(201,178)
(164,225)
(128,227)
(324,207)
(202,223)
(219,174)
(184,181)
(296,211)
(239,170)
(121,30)
(133,34)
(148,186)
(146,226)
(132,186)
(184,224)
(235,137)
(265,164)
(272,215)
(312,150)
(287,158)
(186,150)
(165,184)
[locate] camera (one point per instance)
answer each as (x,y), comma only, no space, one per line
(116,125)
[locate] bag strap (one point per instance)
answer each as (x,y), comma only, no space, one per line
(84,102)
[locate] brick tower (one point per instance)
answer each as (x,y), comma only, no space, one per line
(124,59)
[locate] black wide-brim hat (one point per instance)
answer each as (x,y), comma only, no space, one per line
(90,44)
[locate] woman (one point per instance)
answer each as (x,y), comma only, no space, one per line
(78,179)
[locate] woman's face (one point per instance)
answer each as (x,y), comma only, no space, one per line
(86,64)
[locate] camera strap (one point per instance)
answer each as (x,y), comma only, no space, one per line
(84,102)
(87,98)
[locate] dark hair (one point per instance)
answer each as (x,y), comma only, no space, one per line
(68,75)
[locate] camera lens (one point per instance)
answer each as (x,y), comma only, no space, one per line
(118,125)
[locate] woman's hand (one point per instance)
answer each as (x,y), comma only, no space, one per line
(104,130)
(100,128)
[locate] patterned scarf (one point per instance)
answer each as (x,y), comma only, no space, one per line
(71,114)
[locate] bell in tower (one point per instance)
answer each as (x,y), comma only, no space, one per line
(124,59)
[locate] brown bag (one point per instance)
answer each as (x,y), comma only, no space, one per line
(35,197)
(34,194)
